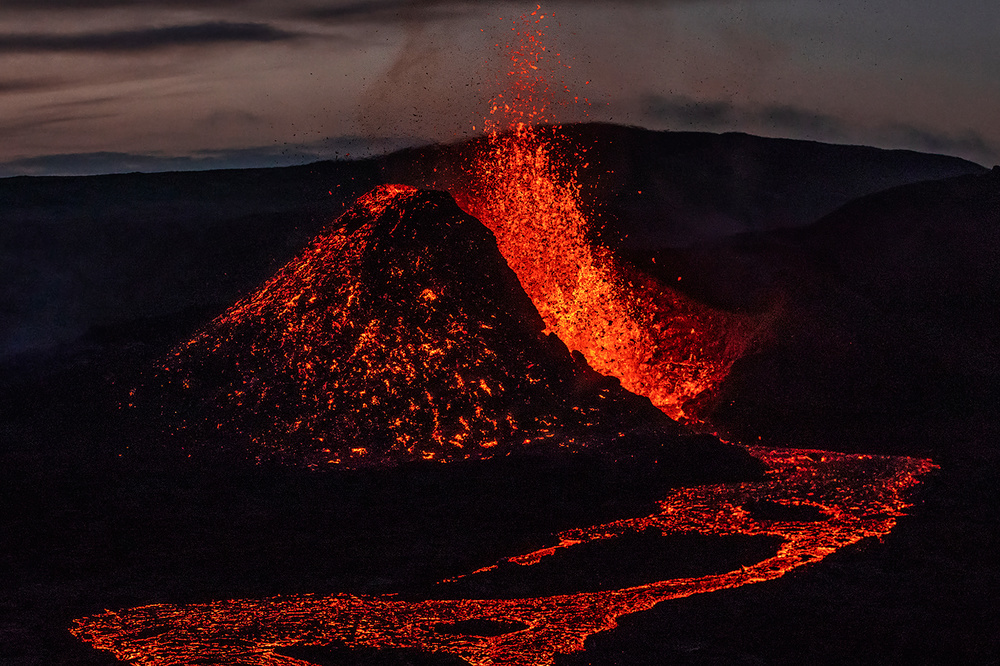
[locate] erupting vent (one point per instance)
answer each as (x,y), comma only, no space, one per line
(402,333)
(398,334)
(628,325)
(659,343)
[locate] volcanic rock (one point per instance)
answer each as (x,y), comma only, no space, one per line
(398,334)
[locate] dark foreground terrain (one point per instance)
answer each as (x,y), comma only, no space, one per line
(99,512)
(90,524)
(102,509)
(885,344)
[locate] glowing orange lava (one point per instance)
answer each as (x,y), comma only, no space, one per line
(659,343)
(857,496)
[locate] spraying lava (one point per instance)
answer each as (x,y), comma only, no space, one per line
(525,188)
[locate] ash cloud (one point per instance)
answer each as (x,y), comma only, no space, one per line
(344,11)
(391,11)
(147,39)
(684,113)
(406,11)
(797,119)
(688,112)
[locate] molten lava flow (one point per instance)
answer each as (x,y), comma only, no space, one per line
(854,497)
(656,341)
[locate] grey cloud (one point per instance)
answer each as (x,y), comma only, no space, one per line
(55,113)
(24,85)
(685,112)
(796,119)
(226,117)
(386,11)
(88,164)
(147,39)
(78,103)
(968,143)
(31,124)
(46,5)
(688,112)
(682,113)
(394,11)
(286,154)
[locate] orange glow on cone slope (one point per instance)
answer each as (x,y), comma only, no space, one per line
(398,334)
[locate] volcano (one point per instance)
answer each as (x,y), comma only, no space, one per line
(399,334)
(402,313)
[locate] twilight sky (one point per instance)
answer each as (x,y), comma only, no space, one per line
(93,86)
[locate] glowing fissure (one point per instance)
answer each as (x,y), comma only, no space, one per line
(858,496)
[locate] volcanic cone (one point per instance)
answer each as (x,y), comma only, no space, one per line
(398,334)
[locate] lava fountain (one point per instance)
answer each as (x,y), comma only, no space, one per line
(525,188)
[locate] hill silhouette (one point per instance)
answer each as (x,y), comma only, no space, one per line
(93,251)
(882,341)
(887,316)
(646,189)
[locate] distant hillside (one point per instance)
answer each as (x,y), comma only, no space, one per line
(888,309)
(79,252)
(673,189)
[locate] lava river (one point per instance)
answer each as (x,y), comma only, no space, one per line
(852,497)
